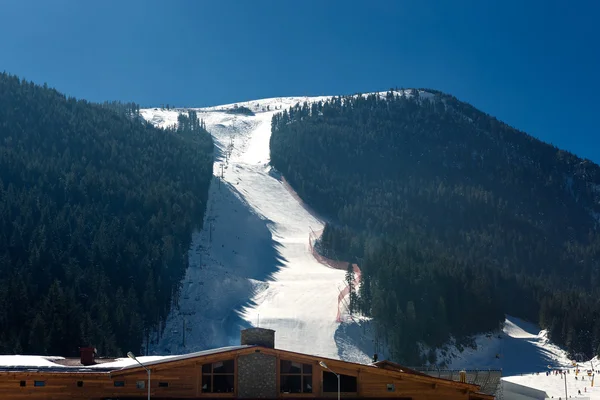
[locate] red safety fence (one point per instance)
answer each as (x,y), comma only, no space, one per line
(313,236)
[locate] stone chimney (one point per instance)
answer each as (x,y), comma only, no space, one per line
(258,337)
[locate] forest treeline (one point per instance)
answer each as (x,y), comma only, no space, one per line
(455,217)
(97,209)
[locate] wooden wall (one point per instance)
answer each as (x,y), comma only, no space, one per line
(57,385)
(185,377)
(182,384)
(375,385)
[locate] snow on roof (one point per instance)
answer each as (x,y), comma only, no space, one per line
(39,362)
(126,363)
(9,361)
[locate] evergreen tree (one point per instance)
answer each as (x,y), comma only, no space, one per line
(351,290)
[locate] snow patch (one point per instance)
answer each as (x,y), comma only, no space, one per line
(30,361)
(123,363)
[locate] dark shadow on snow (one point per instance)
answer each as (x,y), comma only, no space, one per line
(513,355)
(352,336)
(248,251)
(240,256)
(522,355)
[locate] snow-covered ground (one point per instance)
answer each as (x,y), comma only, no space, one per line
(520,348)
(524,354)
(577,386)
(251,265)
(554,384)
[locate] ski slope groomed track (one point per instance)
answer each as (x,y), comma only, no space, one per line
(252,265)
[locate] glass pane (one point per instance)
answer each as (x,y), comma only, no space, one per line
(285,367)
(348,384)
(291,384)
(223,383)
(206,369)
(224,367)
(206,386)
(329,382)
(307,384)
(307,368)
(296,368)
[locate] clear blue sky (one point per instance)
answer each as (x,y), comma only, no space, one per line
(533,64)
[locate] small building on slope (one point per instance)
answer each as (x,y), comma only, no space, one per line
(253,370)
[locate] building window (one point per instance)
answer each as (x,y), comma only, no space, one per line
(347,383)
(22,383)
(218,377)
(295,377)
(391,387)
(140,384)
(119,383)
(39,383)
(79,383)
(163,384)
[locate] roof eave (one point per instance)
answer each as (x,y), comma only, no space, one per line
(135,367)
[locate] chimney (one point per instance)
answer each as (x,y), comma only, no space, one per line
(375,358)
(258,337)
(87,355)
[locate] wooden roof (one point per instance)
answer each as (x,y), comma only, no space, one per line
(386,364)
(382,368)
(386,368)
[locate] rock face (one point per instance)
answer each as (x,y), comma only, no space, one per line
(255,385)
(258,337)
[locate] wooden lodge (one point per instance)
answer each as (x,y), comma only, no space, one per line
(253,370)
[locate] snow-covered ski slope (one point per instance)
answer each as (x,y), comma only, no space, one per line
(251,265)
